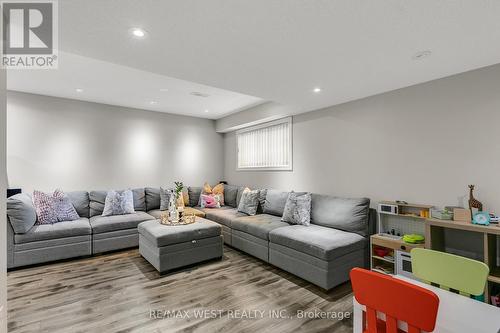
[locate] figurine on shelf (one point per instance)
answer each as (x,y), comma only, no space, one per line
(473,202)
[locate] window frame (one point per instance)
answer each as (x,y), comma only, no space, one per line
(287,120)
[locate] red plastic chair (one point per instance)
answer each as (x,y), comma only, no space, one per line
(397,299)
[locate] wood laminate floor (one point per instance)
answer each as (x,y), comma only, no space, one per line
(122,292)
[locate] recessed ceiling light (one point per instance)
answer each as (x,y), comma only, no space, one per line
(79,90)
(138,32)
(206,111)
(198,94)
(421,55)
(163,89)
(317,90)
(153,102)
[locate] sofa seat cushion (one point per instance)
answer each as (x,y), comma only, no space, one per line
(102,224)
(161,235)
(320,242)
(156,213)
(258,225)
(41,232)
(224,215)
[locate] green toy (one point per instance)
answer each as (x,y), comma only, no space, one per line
(414,239)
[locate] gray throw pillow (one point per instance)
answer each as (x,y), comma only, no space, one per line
(165,198)
(118,203)
(297,209)
(21,212)
(249,202)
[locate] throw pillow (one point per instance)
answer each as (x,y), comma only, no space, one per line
(165,195)
(209,201)
(298,209)
(65,211)
(53,208)
(219,190)
(118,203)
(249,202)
(185,196)
(44,207)
(207,189)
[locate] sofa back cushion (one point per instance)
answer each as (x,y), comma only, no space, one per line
(230,194)
(139,199)
(341,213)
(194,195)
(97,199)
(81,202)
(152,198)
(21,212)
(275,202)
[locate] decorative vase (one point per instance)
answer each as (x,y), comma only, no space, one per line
(172,209)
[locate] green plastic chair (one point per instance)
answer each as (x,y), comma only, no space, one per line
(450,271)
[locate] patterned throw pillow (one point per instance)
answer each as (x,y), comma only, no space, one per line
(249,202)
(53,208)
(185,196)
(205,189)
(64,207)
(298,209)
(118,203)
(209,201)
(44,207)
(219,190)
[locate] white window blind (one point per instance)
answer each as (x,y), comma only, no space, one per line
(266,147)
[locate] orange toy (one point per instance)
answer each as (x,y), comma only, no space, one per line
(397,299)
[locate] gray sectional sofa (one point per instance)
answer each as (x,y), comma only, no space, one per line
(322,253)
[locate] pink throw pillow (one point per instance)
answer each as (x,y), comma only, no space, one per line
(209,201)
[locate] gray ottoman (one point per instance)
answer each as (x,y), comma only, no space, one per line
(170,247)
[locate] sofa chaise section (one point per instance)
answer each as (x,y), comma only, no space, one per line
(325,251)
(318,254)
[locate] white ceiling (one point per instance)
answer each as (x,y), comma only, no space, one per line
(109,83)
(279,50)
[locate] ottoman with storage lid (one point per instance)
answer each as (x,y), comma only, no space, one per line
(170,247)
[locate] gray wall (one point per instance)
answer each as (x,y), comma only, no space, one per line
(61,143)
(422,144)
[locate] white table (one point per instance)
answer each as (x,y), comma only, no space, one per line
(456,313)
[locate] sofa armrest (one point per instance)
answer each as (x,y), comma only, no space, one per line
(10,244)
(372,222)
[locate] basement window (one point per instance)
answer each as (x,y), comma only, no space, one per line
(266,147)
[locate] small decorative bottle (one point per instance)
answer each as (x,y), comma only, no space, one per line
(172,208)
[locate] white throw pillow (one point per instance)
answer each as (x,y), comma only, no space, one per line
(118,203)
